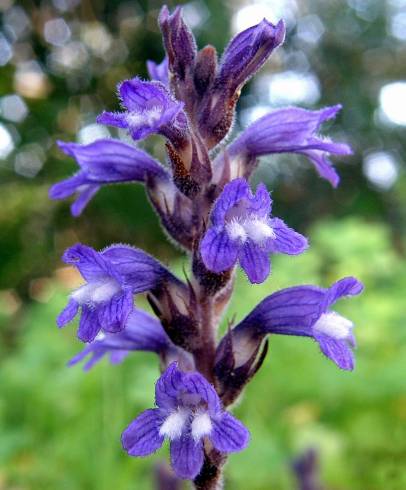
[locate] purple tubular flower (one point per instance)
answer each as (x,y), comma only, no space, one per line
(188,411)
(142,332)
(150,109)
(159,72)
(248,51)
(104,161)
(245,54)
(290,130)
(179,42)
(305,311)
(112,277)
(243,230)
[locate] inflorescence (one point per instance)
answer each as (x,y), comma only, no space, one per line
(205,204)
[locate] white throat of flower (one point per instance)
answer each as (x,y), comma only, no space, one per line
(255,229)
(174,424)
(148,117)
(96,292)
(333,325)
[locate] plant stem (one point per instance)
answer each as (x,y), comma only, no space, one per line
(211,474)
(205,354)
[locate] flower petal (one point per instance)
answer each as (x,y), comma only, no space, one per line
(168,386)
(255,262)
(195,383)
(348,286)
(248,51)
(91,264)
(106,161)
(232,193)
(323,166)
(137,270)
(85,194)
(218,251)
(113,315)
(336,350)
(142,437)
(287,241)
(89,325)
(186,457)
(291,311)
(229,434)
(68,313)
(159,71)
(261,203)
(117,119)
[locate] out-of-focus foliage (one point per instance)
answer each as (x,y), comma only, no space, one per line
(60,427)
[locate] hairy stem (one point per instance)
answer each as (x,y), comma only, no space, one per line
(211,474)
(205,354)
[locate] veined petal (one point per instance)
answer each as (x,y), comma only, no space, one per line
(67,187)
(261,203)
(137,269)
(142,332)
(232,193)
(323,166)
(85,194)
(195,383)
(338,351)
(282,130)
(89,325)
(219,252)
(248,51)
(290,311)
(168,386)
(116,119)
(255,262)
(142,437)
(91,264)
(107,161)
(287,241)
(289,130)
(348,286)
(113,315)
(68,313)
(186,456)
(229,434)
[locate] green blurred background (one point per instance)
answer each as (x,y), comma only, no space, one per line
(60,61)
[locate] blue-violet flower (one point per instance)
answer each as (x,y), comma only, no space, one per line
(243,230)
(188,411)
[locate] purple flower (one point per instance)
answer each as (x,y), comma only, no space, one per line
(243,230)
(188,411)
(149,109)
(290,130)
(142,332)
(179,43)
(112,277)
(247,52)
(159,72)
(103,162)
(305,311)
(244,55)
